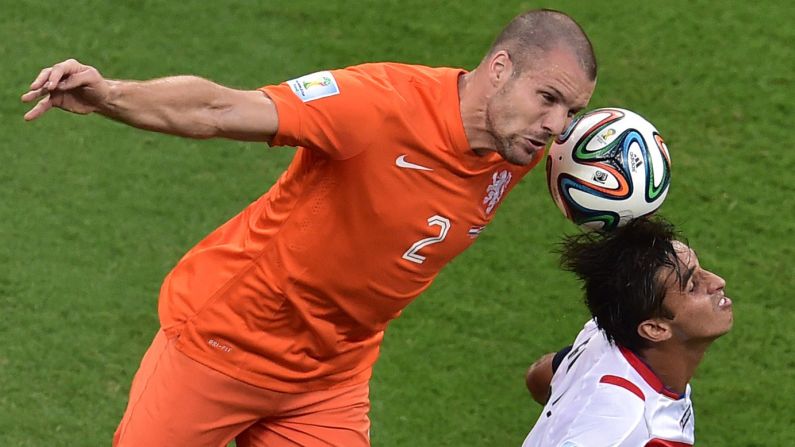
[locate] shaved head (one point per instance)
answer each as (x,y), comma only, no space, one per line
(531,34)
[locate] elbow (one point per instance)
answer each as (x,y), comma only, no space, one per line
(220,112)
(208,115)
(539,391)
(538,379)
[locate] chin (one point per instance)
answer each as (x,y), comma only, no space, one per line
(725,329)
(517,156)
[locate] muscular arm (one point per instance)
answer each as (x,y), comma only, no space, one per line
(187,106)
(190,106)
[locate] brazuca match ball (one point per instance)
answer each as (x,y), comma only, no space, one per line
(608,167)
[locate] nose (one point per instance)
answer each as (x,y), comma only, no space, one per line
(556,120)
(716,283)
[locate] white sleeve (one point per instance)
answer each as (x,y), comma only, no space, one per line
(607,418)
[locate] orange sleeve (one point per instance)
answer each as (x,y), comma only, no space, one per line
(340,124)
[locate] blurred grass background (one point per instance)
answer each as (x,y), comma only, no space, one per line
(95,214)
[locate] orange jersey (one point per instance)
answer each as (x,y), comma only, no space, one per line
(294,293)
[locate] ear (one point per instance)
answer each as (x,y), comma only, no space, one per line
(500,67)
(655,330)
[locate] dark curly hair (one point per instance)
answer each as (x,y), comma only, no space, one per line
(619,274)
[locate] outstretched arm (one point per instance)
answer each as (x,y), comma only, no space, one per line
(186,106)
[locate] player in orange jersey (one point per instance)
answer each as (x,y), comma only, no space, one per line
(270,326)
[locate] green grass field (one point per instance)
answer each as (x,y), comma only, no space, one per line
(95,214)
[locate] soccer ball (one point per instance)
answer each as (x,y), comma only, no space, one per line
(607,168)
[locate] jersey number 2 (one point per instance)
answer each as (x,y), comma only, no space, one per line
(412,255)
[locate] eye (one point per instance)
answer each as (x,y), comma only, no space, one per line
(548,98)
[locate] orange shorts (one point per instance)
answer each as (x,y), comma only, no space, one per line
(176,401)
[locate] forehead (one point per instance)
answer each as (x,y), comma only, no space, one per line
(685,256)
(558,68)
(686,260)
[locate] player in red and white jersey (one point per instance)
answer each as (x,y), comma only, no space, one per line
(625,379)
(270,326)
(606,396)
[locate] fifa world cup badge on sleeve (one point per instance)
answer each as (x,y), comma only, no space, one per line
(315,86)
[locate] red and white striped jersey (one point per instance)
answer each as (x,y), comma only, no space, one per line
(604,395)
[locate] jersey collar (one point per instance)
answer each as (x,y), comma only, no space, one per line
(648,375)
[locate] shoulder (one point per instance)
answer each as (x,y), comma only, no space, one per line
(599,368)
(405,79)
(614,383)
(590,343)
(617,388)
(609,415)
(398,71)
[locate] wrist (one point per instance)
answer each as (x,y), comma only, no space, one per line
(110,98)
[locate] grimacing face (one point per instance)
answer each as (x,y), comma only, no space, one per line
(537,104)
(701,310)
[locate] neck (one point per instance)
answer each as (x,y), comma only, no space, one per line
(473,96)
(674,364)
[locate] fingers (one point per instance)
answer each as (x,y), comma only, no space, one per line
(63,76)
(43,76)
(61,70)
(37,87)
(35,94)
(49,78)
(75,80)
(39,109)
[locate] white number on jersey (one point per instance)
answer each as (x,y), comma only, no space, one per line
(412,255)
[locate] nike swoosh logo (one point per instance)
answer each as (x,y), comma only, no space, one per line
(402,163)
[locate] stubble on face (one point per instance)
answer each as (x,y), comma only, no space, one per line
(510,147)
(503,143)
(525,112)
